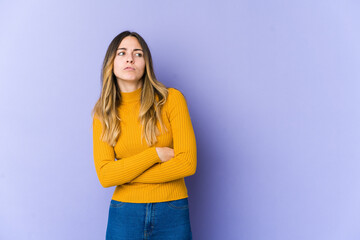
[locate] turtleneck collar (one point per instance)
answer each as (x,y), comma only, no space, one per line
(134,96)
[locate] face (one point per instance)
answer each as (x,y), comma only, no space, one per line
(129,62)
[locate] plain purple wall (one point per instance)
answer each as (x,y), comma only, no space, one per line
(273,89)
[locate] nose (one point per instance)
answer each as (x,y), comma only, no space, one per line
(130,59)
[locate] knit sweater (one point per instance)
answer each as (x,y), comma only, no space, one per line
(135,168)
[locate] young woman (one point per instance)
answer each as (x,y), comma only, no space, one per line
(144,144)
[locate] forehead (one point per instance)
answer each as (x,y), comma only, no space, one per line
(130,42)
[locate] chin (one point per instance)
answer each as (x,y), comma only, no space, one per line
(131,80)
(128,78)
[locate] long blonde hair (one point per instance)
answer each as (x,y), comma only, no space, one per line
(153,96)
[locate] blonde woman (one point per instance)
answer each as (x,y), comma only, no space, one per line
(144,144)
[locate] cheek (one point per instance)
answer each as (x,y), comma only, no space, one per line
(116,62)
(142,66)
(117,65)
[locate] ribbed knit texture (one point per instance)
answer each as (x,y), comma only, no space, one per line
(136,169)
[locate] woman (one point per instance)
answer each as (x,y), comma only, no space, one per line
(144,144)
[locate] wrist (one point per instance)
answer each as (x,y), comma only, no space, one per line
(158,154)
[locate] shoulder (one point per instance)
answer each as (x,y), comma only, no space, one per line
(175,95)
(97,121)
(95,117)
(176,101)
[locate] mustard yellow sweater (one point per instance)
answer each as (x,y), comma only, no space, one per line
(134,168)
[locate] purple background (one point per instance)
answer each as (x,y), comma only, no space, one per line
(273,91)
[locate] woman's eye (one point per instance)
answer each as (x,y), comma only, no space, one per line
(139,54)
(121,53)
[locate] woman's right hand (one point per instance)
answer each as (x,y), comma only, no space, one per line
(165,153)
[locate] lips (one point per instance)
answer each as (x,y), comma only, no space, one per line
(129,68)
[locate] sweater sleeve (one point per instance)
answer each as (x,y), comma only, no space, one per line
(111,172)
(185,160)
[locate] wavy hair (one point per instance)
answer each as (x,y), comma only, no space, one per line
(153,96)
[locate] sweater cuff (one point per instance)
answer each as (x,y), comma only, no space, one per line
(152,154)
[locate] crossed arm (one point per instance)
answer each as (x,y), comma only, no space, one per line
(146,166)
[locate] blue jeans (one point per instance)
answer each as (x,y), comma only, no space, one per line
(160,220)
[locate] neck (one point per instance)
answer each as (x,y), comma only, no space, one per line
(128,97)
(129,86)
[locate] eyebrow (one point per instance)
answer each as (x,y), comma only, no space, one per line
(136,49)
